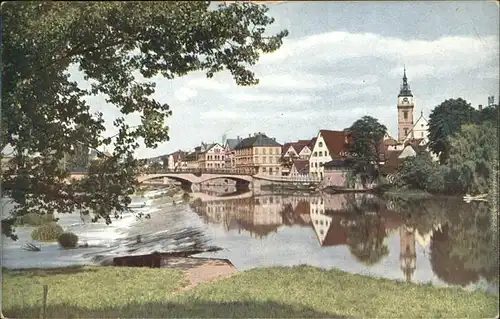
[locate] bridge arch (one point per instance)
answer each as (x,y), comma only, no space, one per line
(183,178)
(241,179)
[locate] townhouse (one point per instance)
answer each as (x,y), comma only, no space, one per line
(259,154)
(328,145)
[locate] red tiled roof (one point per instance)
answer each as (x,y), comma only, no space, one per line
(297,146)
(179,155)
(302,166)
(413,142)
(335,142)
(285,148)
(391,142)
(392,162)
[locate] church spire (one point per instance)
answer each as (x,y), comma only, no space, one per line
(405,88)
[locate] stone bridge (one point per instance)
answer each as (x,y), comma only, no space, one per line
(193,178)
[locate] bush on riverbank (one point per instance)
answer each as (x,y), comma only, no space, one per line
(265,292)
(186,197)
(68,240)
(47,232)
(421,173)
(34,219)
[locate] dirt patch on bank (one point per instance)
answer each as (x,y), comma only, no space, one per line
(201,270)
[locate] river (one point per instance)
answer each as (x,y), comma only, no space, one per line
(442,241)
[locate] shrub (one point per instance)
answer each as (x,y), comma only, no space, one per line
(186,197)
(68,240)
(420,172)
(34,219)
(47,232)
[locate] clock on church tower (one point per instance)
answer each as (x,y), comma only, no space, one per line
(406,104)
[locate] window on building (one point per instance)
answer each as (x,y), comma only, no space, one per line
(405,115)
(315,154)
(320,153)
(406,131)
(264,160)
(320,144)
(264,151)
(421,134)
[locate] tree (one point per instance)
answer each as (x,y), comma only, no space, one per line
(364,149)
(473,156)
(445,120)
(421,172)
(80,157)
(114,44)
(489,113)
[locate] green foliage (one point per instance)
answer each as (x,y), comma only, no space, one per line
(47,232)
(186,197)
(473,156)
(156,167)
(68,240)
(364,150)
(34,219)
(445,120)
(118,56)
(420,172)
(79,160)
(261,292)
(489,114)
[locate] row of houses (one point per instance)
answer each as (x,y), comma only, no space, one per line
(261,154)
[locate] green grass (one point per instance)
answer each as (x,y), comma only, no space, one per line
(269,292)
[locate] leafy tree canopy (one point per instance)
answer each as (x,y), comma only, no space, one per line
(112,43)
(366,138)
(445,120)
(420,172)
(473,155)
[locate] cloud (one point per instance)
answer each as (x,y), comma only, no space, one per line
(273,98)
(185,94)
(327,77)
(450,53)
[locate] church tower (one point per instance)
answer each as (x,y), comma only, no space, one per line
(406,105)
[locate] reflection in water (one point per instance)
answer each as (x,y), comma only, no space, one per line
(410,240)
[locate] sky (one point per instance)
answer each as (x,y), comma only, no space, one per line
(341,61)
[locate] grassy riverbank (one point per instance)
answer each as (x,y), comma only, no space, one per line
(108,292)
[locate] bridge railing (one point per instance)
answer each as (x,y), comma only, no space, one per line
(298,179)
(221,171)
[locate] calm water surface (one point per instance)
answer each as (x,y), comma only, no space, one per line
(442,241)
